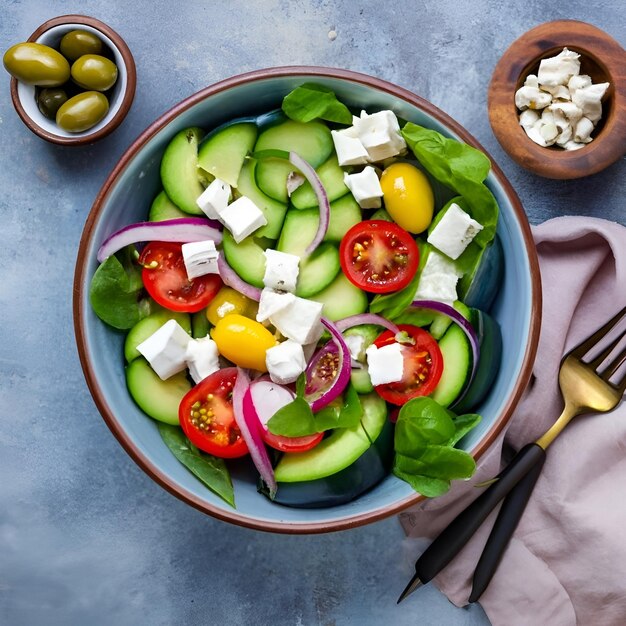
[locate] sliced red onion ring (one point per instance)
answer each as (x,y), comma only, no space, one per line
(232,279)
(180,230)
(366,318)
(320,193)
(342,378)
(465,326)
(248,422)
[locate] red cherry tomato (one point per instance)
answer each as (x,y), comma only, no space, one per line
(291,444)
(423,365)
(165,278)
(206,416)
(378,256)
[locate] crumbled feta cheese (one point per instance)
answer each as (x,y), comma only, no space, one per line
(559,69)
(281,270)
(386,364)
(531,81)
(573,145)
(589,100)
(202,358)
(355,344)
(200,258)
(242,217)
(578,82)
(166,349)
(531,98)
(569,110)
(300,320)
(350,150)
(365,188)
(528,118)
(558,92)
(454,232)
(380,134)
(214,199)
(438,287)
(271,302)
(285,362)
(583,130)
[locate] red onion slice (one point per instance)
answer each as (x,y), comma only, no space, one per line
(465,326)
(320,193)
(366,318)
(181,230)
(248,422)
(342,378)
(232,279)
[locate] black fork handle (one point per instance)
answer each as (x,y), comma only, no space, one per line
(452,539)
(508,518)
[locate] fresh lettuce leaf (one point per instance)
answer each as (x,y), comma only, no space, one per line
(310,101)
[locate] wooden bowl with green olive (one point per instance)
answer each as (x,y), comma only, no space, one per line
(73,81)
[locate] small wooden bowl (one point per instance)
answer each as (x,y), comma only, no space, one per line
(120,98)
(602,58)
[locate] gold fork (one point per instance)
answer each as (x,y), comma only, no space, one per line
(585,389)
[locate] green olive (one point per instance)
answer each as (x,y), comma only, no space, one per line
(36,64)
(92,71)
(49,101)
(82,111)
(78,42)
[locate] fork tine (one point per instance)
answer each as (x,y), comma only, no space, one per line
(605,353)
(614,366)
(582,349)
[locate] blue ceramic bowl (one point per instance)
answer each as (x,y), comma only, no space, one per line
(126,197)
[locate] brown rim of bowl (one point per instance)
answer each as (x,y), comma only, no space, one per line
(519,57)
(79,280)
(129,94)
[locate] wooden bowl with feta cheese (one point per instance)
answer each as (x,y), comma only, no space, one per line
(549,103)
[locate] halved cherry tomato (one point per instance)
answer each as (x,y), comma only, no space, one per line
(423,365)
(165,278)
(378,256)
(291,444)
(206,416)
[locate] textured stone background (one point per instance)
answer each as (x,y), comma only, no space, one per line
(85,536)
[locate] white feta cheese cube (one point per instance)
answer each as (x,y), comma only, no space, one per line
(578,82)
(531,98)
(281,270)
(200,258)
(271,302)
(242,217)
(559,69)
(166,349)
(365,188)
(355,344)
(437,263)
(202,358)
(439,287)
(386,364)
(350,150)
(589,100)
(454,232)
(380,134)
(285,362)
(214,199)
(300,321)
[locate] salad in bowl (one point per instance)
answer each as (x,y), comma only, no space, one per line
(308,306)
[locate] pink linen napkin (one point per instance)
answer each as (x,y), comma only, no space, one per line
(566,563)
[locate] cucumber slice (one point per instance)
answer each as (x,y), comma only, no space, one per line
(320,269)
(441,322)
(200,325)
(341,299)
(337,451)
(222,152)
(246,258)
(360,379)
(311,140)
(179,170)
(273,210)
(148,326)
(331,175)
(344,214)
(381,214)
(457,361)
(157,398)
(163,208)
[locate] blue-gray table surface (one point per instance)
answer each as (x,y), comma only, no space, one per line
(85,536)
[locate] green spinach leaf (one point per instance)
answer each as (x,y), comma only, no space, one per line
(115,292)
(309,102)
(209,469)
(293,420)
(346,412)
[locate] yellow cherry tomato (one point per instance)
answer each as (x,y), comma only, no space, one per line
(243,341)
(408,197)
(228,301)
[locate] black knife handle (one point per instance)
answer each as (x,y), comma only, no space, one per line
(508,518)
(450,541)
